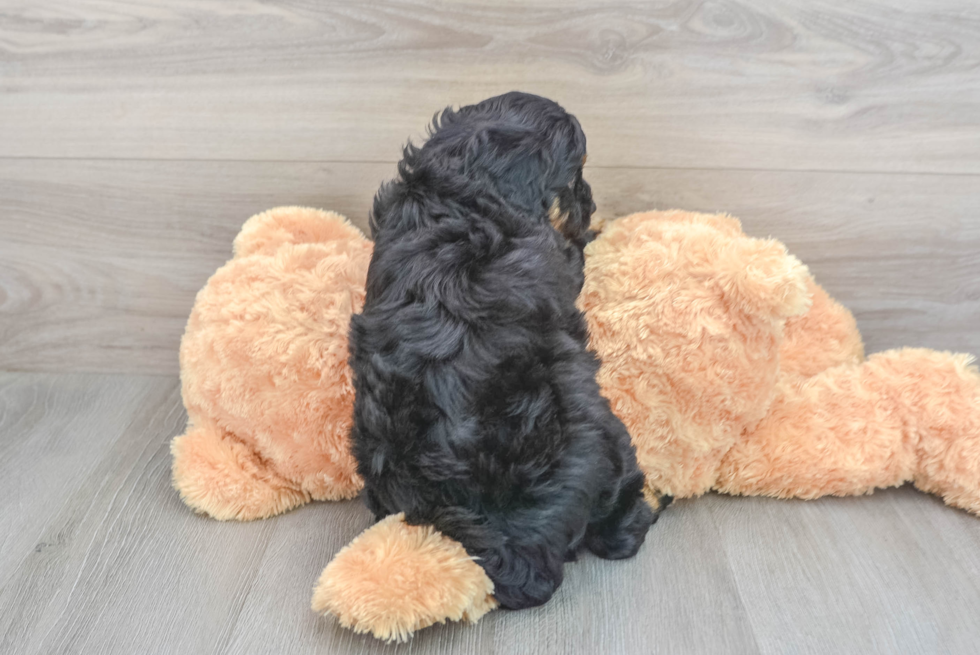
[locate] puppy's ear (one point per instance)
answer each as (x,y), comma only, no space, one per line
(558,218)
(515,161)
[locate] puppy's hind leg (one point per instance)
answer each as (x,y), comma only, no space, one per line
(621,517)
(524,576)
(620,533)
(525,566)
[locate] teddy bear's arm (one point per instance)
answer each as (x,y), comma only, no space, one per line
(395,579)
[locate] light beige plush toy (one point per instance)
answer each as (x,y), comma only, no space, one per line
(732,369)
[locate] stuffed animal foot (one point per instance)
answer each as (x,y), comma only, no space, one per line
(220,476)
(938,396)
(904,415)
(397,578)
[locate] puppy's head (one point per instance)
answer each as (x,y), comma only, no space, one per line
(525,147)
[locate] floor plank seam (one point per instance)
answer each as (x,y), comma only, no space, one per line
(394,162)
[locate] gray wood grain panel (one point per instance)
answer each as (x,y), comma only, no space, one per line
(894,573)
(126,567)
(66,424)
(119,565)
(100,261)
(788,84)
(602,607)
(113,253)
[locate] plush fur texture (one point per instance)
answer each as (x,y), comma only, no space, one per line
(734,370)
(264,369)
(397,578)
(726,380)
(477,409)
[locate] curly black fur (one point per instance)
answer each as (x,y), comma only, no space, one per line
(477,408)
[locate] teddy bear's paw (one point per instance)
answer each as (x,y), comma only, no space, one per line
(222,477)
(397,578)
(264,233)
(938,398)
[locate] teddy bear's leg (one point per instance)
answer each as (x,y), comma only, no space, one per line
(222,477)
(837,433)
(902,415)
(397,578)
(938,394)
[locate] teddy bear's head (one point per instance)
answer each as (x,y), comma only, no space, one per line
(264,368)
(687,315)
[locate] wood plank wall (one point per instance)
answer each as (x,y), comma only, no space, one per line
(135,138)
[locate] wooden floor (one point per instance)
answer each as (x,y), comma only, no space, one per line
(136,137)
(100,556)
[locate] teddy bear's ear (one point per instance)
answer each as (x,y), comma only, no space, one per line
(264,233)
(760,277)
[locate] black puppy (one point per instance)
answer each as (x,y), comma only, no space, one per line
(477,409)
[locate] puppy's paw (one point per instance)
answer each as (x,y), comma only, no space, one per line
(525,576)
(621,540)
(657,501)
(621,534)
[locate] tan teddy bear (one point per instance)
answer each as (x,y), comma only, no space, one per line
(731,367)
